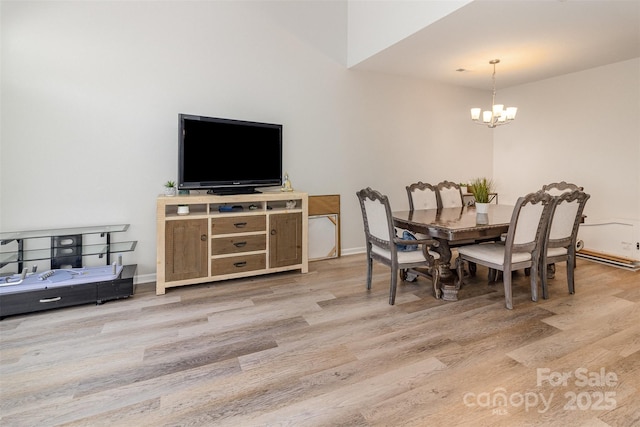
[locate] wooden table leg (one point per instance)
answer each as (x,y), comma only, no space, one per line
(448,286)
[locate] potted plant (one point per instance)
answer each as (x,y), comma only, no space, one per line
(482,189)
(170,188)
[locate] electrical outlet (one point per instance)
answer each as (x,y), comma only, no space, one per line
(638,246)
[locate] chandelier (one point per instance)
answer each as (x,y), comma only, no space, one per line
(498,115)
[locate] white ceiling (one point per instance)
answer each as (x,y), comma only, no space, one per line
(534,40)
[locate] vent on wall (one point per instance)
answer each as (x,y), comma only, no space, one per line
(613,260)
(614,242)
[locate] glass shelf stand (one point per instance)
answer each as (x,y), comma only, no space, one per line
(58,251)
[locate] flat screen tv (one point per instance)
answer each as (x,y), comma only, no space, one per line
(228,156)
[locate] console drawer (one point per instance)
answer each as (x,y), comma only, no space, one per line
(238,224)
(238,244)
(238,264)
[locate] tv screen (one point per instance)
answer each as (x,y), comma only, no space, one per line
(228,156)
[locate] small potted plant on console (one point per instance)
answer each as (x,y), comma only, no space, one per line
(170,188)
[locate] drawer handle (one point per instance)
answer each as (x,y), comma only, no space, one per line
(203,237)
(240,264)
(51,299)
(240,244)
(240,224)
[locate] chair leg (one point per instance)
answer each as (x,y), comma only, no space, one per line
(392,288)
(506,279)
(534,282)
(369,271)
(571,264)
(544,279)
(472,269)
(459,270)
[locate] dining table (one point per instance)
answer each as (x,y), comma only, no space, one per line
(453,227)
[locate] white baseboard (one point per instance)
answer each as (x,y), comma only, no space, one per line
(144,278)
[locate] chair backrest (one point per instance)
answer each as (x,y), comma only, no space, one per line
(449,195)
(377,218)
(565,219)
(528,223)
(557,188)
(422,196)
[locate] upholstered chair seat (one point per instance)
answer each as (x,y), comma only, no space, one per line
(493,254)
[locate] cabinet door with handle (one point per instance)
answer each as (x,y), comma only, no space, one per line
(285,239)
(186,249)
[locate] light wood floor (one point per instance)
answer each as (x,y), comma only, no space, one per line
(319,350)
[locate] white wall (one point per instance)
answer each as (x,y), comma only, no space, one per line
(583,128)
(91,91)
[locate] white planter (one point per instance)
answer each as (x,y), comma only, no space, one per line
(482,208)
(169,191)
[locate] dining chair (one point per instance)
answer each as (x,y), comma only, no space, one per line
(449,195)
(522,246)
(556,189)
(382,244)
(422,196)
(559,244)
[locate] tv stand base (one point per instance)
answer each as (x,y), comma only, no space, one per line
(43,298)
